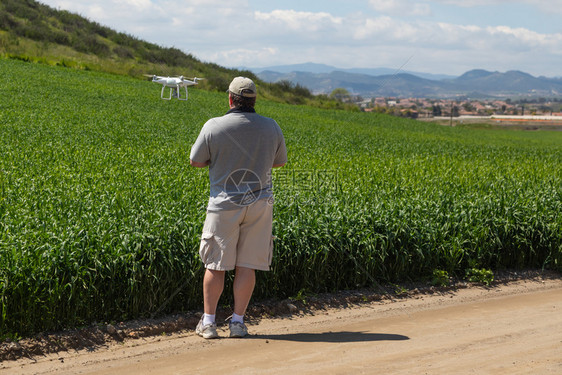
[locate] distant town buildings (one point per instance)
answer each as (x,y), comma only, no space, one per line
(427,108)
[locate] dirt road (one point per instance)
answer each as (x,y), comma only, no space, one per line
(509,329)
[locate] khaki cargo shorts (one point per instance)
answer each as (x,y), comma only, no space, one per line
(238,238)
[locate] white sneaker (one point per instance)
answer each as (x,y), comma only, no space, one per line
(237,329)
(207,331)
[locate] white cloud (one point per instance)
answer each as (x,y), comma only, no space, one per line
(299,21)
(546,6)
(357,40)
(527,38)
(400,7)
(246,57)
(234,34)
(136,4)
(373,26)
(96,12)
(387,30)
(473,3)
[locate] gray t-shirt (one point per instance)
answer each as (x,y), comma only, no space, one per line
(241,148)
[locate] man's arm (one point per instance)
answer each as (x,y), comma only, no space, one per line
(280,158)
(197,164)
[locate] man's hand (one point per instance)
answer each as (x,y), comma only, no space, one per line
(197,164)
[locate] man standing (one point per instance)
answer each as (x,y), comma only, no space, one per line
(240,149)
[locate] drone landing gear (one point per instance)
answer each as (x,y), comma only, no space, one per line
(174,93)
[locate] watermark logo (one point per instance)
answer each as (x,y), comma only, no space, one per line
(244,185)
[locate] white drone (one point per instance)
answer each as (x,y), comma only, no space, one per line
(174,83)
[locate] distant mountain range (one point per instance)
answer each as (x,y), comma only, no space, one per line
(322,68)
(323,79)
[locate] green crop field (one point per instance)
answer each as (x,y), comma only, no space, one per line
(100,213)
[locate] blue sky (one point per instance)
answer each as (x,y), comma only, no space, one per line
(438,36)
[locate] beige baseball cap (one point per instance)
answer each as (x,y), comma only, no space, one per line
(244,87)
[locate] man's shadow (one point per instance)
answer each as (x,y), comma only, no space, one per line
(335,337)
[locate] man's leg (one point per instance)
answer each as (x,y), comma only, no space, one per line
(244,282)
(213,285)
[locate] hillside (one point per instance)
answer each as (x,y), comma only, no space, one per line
(38,32)
(32,31)
(510,82)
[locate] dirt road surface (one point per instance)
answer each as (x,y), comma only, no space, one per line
(514,328)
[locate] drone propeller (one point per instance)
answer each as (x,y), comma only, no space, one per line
(153,76)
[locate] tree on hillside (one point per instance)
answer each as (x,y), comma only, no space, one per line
(340,94)
(468,107)
(455,110)
(436,110)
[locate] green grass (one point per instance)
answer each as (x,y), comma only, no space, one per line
(100,214)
